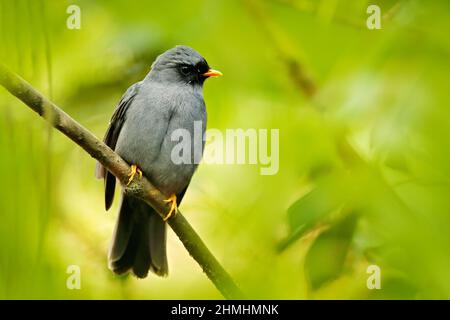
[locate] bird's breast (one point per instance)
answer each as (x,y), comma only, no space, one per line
(182,147)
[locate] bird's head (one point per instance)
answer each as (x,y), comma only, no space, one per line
(182,64)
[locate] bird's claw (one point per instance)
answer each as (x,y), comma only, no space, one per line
(134,170)
(173,208)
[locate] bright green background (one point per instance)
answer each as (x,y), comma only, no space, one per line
(364,163)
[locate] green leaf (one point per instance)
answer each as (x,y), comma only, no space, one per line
(397,162)
(330,193)
(312,207)
(326,257)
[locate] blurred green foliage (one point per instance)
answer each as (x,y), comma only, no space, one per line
(364,146)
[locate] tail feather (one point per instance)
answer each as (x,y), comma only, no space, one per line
(142,259)
(157,232)
(139,242)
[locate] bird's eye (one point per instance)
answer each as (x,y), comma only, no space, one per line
(185,70)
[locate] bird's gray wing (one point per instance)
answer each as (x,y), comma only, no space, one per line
(111,137)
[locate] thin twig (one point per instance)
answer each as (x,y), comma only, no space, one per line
(277,39)
(140,188)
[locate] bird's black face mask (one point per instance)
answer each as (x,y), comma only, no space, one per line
(194,74)
(182,64)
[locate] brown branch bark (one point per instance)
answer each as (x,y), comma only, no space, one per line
(141,188)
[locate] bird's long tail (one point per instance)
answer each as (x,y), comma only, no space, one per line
(139,242)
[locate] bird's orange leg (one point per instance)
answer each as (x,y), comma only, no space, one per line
(173,207)
(134,170)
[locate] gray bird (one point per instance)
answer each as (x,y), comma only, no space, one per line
(169,98)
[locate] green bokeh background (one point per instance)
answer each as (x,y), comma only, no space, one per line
(364,126)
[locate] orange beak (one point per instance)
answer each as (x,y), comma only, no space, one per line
(212,73)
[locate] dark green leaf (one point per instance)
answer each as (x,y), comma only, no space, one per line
(330,193)
(326,257)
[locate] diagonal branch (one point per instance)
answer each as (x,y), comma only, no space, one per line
(140,188)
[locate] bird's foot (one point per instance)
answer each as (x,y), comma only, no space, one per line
(173,208)
(134,170)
